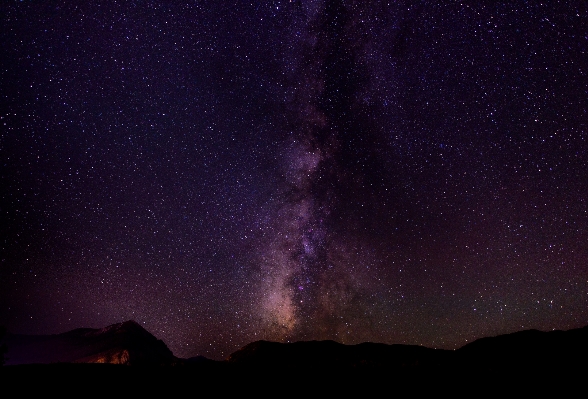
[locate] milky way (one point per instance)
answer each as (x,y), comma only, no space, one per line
(223,172)
(313,274)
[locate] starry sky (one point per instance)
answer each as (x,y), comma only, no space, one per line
(228,171)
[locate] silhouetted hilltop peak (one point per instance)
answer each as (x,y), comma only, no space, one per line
(528,349)
(529,339)
(127,327)
(120,343)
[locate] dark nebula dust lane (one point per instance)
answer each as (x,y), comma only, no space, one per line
(221,173)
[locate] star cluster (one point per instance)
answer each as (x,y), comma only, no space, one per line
(224,172)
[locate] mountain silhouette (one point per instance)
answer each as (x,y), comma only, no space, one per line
(529,350)
(123,343)
(527,360)
(330,354)
(130,344)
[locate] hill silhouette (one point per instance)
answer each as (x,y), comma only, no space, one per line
(524,359)
(130,344)
(122,343)
(525,350)
(330,354)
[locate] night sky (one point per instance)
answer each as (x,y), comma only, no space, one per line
(228,171)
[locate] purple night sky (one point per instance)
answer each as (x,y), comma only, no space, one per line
(228,171)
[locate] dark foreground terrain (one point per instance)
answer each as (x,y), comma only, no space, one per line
(237,380)
(529,361)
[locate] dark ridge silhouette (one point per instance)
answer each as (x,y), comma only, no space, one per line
(330,354)
(517,358)
(527,350)
(524,360)
(130,344)
(123,343)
